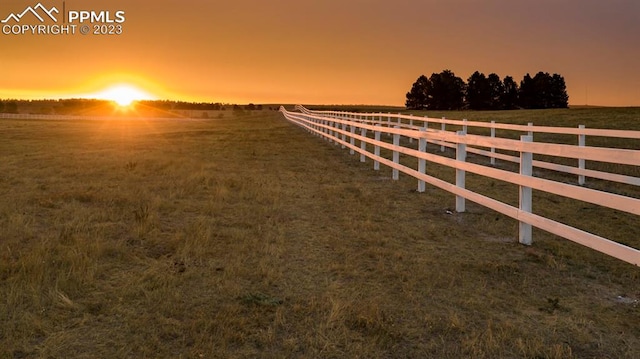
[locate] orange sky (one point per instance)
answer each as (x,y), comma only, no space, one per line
(327,51)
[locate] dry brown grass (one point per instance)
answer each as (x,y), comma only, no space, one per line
(247,237)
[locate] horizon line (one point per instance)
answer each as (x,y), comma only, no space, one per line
(278,103)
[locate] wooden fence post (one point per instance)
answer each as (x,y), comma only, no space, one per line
(582,141)
(352,141)
(389,123)
(411,127)
(464,129)
(422,163)
(344,136)
(396,155)
(376,151)
(444,128)
(526,200)
(325,130)
(493,149)
(461,155)
(363,145)
(327,123)
(530,124)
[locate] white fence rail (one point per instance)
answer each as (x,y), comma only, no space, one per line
(345,128)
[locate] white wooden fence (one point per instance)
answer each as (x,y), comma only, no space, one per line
(345,128)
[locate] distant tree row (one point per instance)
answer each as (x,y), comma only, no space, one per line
(182,105)
(202,106)
(446,91)
(80,105)
(9,106)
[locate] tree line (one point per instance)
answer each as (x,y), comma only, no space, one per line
(81,105)
(9,106)
(446,91)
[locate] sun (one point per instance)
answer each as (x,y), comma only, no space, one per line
(123,94)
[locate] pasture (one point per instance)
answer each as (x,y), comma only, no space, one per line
(247,237)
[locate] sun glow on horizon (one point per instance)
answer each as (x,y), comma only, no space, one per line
(123,94)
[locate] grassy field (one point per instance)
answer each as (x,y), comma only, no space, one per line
(246,237)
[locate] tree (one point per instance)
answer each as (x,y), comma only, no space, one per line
(11,107)
(542,86)
(417,97)
(558,92)
(496,91)
(1,106)
(510,95)
(445,91)
(526,93)
(478,92)
(543,91)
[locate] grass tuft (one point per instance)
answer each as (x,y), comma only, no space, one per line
(260,299)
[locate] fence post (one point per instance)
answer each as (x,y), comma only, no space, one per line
(444,128)
(376,151)
(344,136)
(461,155)
(363,145)
(389,123)
(530,131)
(309,126)
(422,163)
(352,141)
(493,149)
(411,127)
(327,131)
(582,141)
(526,201)
(316,125)
(464,126)
(396,155)
(323,123)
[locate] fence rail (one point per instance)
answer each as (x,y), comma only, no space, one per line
(347,129)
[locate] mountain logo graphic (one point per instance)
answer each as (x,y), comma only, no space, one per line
(34,10)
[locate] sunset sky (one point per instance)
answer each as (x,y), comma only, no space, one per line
(326,51)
